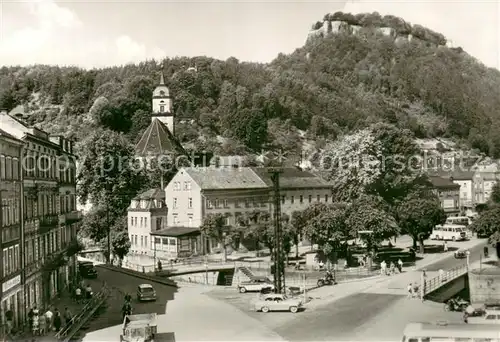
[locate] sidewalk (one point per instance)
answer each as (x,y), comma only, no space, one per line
(60,303)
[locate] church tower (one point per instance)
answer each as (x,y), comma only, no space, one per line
(162,105)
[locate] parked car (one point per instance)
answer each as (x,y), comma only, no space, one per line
(277,302)
(87,269)
(146,292)
(256,284)
(489,317)
(461,254)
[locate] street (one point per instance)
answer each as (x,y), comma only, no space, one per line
(476,252)
(122,284)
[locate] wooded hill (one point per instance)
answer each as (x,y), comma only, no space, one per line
(328,87)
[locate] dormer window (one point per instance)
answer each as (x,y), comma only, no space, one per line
(135,204)
(144,204)
(162,109)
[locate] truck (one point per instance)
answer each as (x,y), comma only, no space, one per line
(139,328)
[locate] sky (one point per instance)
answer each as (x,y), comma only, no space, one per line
(103,33)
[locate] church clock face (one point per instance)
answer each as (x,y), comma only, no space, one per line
(162,93)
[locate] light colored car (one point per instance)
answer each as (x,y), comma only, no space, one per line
(256,284)
(146,292)
(490,317)
(461,253)
(277,302)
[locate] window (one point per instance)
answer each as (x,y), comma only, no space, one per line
(173,242)
(190,202)
(175,203)
(190,221)
(210,205)
(247,203)
(142,240)
(217,203)
(301,199)
(226,205)
(162,109)
(175,219)
(318,198)
(310,198)
(135,240)
(187,185)
(131,221)
(292,199)
(2,167)
(326,198)
(491,317)
(164,241)
(177,186)
(146,222)
(236,203)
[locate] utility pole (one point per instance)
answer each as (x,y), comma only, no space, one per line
(279,266)
(108,224)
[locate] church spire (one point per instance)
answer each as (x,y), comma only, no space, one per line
(162,78)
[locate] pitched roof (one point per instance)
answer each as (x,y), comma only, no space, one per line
(455,174)
(441,182)
(293,177)
(176,231)
(158,140)
(155,193)
(8,135)
(212,178)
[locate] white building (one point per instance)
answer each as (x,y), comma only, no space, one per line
(147,213)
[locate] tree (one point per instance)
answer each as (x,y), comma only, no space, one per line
(329,228)
(418,213)
(214,225)
(488,223)
(371,213)
(495,194)
(108,175)
(94,224)
(120,243)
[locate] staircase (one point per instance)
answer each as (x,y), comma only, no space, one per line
(242,274)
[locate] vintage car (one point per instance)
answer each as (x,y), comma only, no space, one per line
(139,328)
(87,269)
(256,284)
(277,302)
(488,317)
(146,292)
(461,254)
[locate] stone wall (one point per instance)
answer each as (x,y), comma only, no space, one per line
(484,286)
(198,278)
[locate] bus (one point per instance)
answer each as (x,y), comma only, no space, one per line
(459,220)
(449,232)
(428,332)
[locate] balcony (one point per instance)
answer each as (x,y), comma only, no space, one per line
(71,217)
(48,222)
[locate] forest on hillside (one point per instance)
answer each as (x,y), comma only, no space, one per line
(328,87)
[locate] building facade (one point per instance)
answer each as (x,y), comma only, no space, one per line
(49,217)
(146,214)
(448,193)
(485,177)
(194,193)
(11,226)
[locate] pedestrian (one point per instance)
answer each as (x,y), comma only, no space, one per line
(30,319)
(392,268)
(383,268)
(49,316)
(36,321)
(78,294)
(486,251)
(42,324)
(88,291)
(57,320)
(445,246)
(9,316)
(400,266)
(68,317)
(159,266)
(410,290)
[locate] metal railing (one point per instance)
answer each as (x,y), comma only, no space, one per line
(83,317)
(440,280)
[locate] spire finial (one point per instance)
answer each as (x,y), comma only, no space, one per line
(162,77)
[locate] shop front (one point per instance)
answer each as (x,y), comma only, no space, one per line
(33,290)
(12,299)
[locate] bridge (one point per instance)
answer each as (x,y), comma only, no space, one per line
(446,285)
